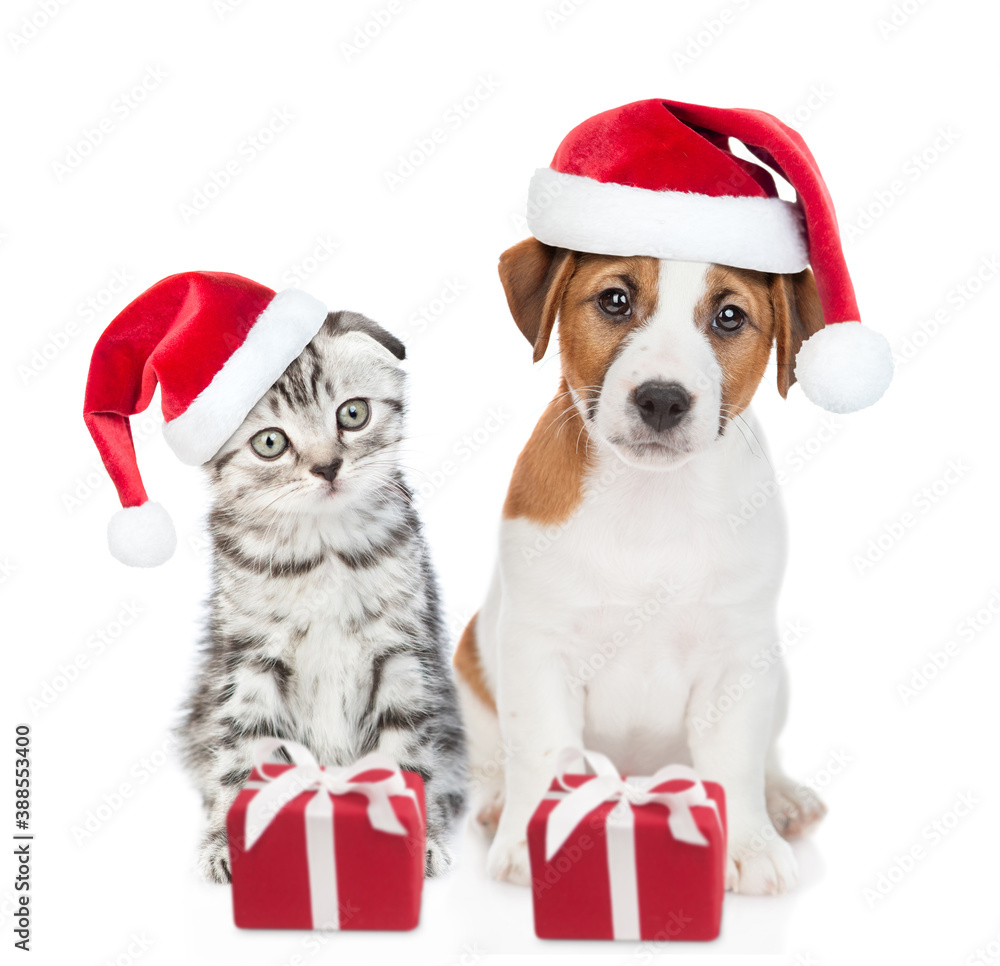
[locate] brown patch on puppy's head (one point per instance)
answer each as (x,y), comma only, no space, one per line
(590,336)
(599,300)
(783,309)
(743,354)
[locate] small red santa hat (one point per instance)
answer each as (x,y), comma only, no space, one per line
(215,343)
(657,178)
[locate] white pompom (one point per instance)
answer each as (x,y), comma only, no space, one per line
(142,536)
(844,367)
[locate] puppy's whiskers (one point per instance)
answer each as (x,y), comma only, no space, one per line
(566,415)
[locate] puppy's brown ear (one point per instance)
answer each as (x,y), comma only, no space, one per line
(797,315)
(534,277)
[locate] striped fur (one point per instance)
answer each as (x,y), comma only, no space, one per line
(324,622)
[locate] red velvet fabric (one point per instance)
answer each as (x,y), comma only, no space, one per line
(681,886)
(645,145)
(380,876)
(783,149)
(178,333)
(673,146)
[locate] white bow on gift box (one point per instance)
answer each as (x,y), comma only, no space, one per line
(306,775)
(577,802)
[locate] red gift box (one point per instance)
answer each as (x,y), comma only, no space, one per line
(327,848)
(639,858)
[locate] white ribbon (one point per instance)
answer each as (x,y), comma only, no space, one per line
(305,775)
(608,785)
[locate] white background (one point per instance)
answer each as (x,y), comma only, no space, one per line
(870,98)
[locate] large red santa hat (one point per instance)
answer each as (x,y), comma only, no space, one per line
(657,178)
(215,343)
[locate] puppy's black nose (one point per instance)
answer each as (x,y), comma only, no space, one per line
(328,472)
(662,404)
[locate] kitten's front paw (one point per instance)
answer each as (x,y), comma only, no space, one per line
(214,858)
(438,858)
(508,860)
(761,868)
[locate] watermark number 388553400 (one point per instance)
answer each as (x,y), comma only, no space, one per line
(22,836)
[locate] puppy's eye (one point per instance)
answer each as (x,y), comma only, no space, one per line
(269,443)
(353,414)
(729,319)
(615,302)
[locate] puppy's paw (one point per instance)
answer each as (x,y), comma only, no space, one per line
(793,808)
(488,814)
(214,858)
(438,859)
(508,860)
(761,866)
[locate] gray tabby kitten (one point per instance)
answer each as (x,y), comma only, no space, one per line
(324,622)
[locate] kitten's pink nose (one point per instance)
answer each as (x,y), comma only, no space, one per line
(328,472)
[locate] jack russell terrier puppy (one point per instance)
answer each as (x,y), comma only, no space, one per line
(625,604)
(626,611)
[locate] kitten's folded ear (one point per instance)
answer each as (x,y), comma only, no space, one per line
(339,322)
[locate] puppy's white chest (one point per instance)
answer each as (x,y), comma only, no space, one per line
(635,666)
(656,541)
(653,585)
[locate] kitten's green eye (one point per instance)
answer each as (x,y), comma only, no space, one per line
(269,443)
(353,414)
